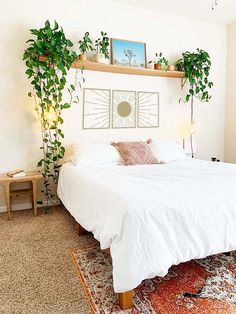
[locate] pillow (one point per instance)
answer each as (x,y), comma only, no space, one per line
(135,153)
(167,151)
(92,153)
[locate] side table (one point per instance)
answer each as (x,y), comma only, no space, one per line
(33,178)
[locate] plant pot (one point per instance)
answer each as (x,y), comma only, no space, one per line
(157,66)
(100,58)
(83,57)
(171,67)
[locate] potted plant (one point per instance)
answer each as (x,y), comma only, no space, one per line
(160,63)
(85,44)
(102,47)
(196,66)
(48,77)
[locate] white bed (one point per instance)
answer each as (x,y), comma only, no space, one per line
(153,216)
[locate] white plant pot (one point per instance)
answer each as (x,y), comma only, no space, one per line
(100,58)
(164,67)
(83,57)
(171,67)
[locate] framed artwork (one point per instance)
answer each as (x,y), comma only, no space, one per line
(96,108)
(128,53)
(148,110)
(123,109)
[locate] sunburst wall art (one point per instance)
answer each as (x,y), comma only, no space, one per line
(148,110)
(123,109)
(96,108)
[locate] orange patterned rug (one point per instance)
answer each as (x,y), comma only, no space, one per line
(203,286)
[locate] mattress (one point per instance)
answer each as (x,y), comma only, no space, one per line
(153,216)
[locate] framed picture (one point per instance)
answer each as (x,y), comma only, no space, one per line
(96,108)
(148,110)
(128,53)
(123,109)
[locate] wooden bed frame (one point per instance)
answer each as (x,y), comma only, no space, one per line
(125,298)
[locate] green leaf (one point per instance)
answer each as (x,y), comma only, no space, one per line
(29,72)
(47,24)
(40,163)
(66,105)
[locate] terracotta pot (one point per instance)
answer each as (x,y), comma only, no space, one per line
(171,67)
(100,58)
(82,57)
(157,66)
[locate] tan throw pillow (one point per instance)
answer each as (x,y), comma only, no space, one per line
(135,153)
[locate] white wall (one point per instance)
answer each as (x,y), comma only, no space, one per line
(19,130)
(230,116)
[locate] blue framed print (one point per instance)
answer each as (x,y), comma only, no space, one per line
(128,53)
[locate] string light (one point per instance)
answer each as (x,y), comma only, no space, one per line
(50,116)
(192,129)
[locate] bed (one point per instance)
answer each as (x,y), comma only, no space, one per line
(153,216)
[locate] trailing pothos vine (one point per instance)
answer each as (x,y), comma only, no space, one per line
(48,59)
(196,66)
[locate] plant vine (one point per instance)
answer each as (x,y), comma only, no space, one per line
(48,59)
(196,66)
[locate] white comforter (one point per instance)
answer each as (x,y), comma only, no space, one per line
(153,216)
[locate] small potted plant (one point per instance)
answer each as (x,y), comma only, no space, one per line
(102,47)
(85,45)
(160,63)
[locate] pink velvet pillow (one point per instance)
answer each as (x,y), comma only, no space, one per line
(135,153)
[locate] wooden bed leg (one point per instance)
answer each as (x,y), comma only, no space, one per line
(126,300)
(80,230)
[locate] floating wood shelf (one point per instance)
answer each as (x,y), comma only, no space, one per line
(100,67)
(94,66)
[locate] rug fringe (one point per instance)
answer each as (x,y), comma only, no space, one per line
(79,273)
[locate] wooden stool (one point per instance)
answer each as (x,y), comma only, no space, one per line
(30,177)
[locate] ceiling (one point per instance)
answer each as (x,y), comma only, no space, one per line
(224,13)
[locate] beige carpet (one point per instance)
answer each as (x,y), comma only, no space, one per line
(36,272)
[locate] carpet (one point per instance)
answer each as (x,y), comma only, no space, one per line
(203,286)
(36,273)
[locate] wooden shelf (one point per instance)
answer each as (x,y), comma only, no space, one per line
(93,66)
(21,192)
(100,67)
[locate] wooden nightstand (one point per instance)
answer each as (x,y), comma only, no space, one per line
(30,177)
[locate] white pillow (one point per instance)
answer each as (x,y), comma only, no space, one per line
(93,153)
(167,151)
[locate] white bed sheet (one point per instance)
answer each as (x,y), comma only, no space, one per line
(153,216)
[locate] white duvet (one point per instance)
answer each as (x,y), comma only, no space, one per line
(153,216)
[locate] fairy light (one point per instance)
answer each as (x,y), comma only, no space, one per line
(192,129)
(50,116)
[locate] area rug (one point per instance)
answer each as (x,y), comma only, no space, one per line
(203,286)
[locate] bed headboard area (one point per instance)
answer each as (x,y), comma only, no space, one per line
(117,107)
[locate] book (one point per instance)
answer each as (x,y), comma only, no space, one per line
(19,174)
(16,173)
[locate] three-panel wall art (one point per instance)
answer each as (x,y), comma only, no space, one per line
(105,108)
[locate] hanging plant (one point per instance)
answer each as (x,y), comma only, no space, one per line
(48,76)
(196,66)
